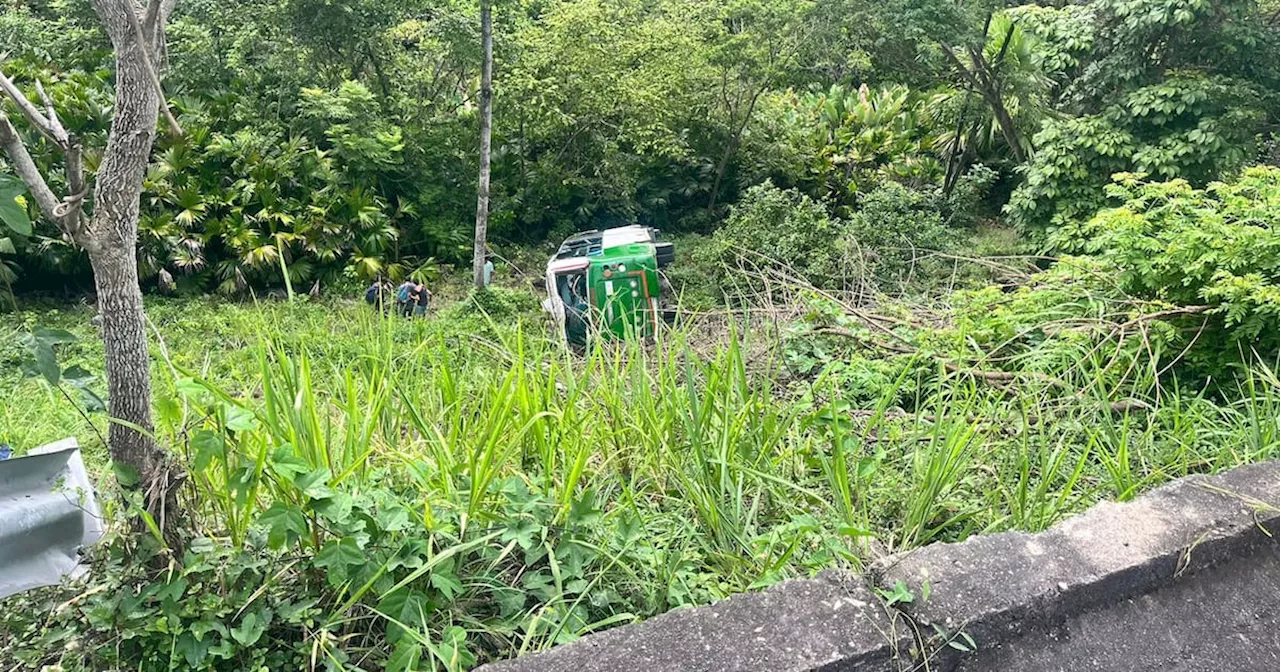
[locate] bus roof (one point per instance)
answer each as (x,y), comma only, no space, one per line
(568,264)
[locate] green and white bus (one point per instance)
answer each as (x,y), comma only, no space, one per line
(608,283)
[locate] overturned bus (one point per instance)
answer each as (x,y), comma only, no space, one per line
(608,283)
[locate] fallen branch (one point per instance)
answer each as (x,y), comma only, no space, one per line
(1172,312)
(1126,405)
(883,345)
(1004,376)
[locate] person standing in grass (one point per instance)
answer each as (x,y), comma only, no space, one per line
(405,298)
(376,295)
(422,301)
(488,269)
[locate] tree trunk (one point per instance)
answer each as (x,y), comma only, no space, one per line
(486,129)
(115,276)
(983,81)
(111,241)
(110,237)
(730,149)
(1007,128)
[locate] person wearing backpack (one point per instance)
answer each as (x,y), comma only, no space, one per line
(376,296)
(405,298)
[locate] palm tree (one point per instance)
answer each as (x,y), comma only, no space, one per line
(1002,99)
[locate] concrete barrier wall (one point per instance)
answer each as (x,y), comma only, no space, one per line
(1186,577)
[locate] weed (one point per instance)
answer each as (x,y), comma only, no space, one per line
(377,492)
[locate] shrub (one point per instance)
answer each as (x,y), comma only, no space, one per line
(877,247)
(220,609)
(481,312)
(966,202)
(696,287)
(1189,126)
(785,226)
(892,228)
(501,303)
(1217,247)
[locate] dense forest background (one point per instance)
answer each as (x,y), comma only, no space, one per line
(341,135)
(945,268)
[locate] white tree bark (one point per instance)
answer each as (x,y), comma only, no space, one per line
(486,131)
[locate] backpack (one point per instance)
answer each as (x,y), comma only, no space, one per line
(371,294)
(403,294)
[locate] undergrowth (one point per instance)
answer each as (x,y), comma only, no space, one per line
(370,493)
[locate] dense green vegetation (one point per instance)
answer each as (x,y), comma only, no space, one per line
(342,135)
(373,493)
(945,268)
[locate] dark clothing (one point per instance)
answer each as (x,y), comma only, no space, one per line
(378,295)
(421,301)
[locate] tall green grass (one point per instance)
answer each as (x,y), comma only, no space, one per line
(550,493)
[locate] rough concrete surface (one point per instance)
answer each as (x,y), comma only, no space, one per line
(827,623)
(998,587)
(1184,578)
(1227,618)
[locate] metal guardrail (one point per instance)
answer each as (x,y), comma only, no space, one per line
(48,512)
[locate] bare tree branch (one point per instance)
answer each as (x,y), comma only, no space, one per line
(72,207)
(26,169)
(75,168)
(46,127)
(145,51)
(149,21)
(62,137)
(156,18)
(67,213)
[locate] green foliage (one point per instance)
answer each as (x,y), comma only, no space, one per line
(696,287)
(370,493)
(487,312)
(1187,126)
(1064,35)
(350,120)
(224,208)
(877,248)
(479,531)
(1214,247)
(41,361)
(860,139)
(220,608)
(967,202)
(13,212)
(967,125)
(900,594)
(894,226)
(1141,41)
(349,152)
(384,493)
(1178,280)
(353,126)
(772,225)
(1158,87)
(1074,158)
